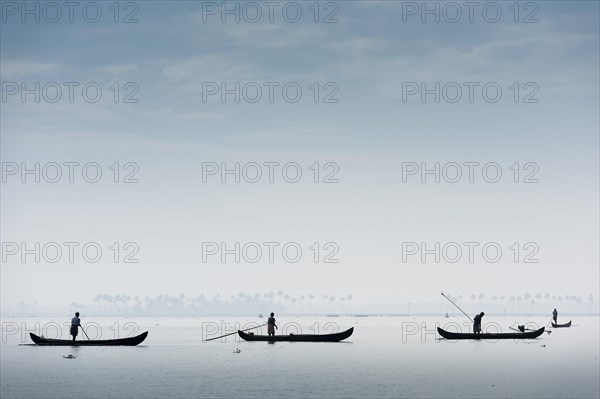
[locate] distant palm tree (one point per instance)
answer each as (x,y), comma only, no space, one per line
(578,301)
(118,301)
(109,300)
(138,304)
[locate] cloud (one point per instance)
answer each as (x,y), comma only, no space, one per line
(356,46)
(274,36)
(294,133)
(20,69)
(191,73)
(99,144)
(265,35)
(115,70)
(510,54)
(168,113)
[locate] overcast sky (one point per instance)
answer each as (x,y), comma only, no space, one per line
(361,116)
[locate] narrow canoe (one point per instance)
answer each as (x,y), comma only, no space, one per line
(561,325)
(298,338)
(131,341)
(515,335)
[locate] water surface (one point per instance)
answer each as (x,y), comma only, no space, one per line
(386,357)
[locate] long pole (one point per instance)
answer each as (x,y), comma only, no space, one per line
(84,333)
(226,335)
(457,307)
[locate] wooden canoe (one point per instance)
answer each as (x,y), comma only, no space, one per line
(515,335)
(561,325)
(131,341)
(299,337)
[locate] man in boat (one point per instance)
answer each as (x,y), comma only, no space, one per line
(75,324)
(271,326)
(477,323)
(555,316)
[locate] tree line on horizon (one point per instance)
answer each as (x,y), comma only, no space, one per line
(310,303)
(282,302)
(527,302)
(242,302)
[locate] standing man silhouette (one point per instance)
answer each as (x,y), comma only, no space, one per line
(477,323)
(271,326)
(75,324)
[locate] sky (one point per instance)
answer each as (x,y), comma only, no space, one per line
(334,112)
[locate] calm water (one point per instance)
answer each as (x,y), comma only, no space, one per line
(386,357)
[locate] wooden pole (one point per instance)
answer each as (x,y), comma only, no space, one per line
(84,333)
(457,307)
(226,335)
